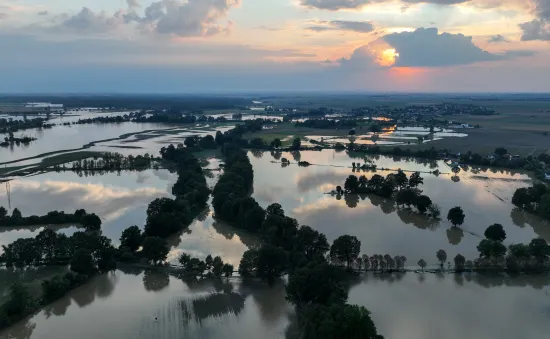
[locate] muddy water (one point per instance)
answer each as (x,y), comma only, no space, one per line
(137,304)
(119,199)
(381,226)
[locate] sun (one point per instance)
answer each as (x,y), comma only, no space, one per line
(388,57)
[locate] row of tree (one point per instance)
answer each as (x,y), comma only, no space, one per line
(113,162)
(89,220)
(297,250)
(196,267)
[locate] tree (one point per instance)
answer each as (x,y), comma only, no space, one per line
(155,249)
(501,151)
(271,262)
(456,216)
(16,214)
(351,132)
(3,212)
(352,184)
(195,267)
(495,232)
(422,203)
(415,180)
(337,321)
(312,243)
(184,259)
(539,249)
(277,143)
(19,301)
(442,257)
(296,143)
(275,209)
(520,251)
(405,197)
(82,262)
(456,170)
(219,138)
(460,262)
(346,249)
(521,198)
(248,263)
(131,238)
(491,249)
(217,266)
(317,284)
(422,264)
(401,179)
(208,262)
(227,270)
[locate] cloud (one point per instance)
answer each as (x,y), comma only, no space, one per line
(133,3)
(88,21)
(538,28)
(185,18)
(342,25)
(425,47)
(4,16)
(335,5)
(497,39)
(43,13)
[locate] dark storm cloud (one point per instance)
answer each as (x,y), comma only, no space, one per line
(538,28)
(425,47)
(342,25)
(497,39)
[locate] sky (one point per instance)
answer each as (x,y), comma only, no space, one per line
(203,46)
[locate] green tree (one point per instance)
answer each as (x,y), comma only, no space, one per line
(456,216)
(491,249)
(318,284)
(415,180)
(500,151)
(217,266)
(346,249)
(422,264)
(401,179)
(131,238)
(208,262)
(275,209)
(460,262)
(184,259)
(521,198)
(495,232)
(422,203)
(312,243)
(91,222)
(19,302)
(352,184)
(227,270)
(406,197)
(271,262)
(544,206)
(456,170)
(442,257)
(247,266)
(16,214)
(219,138)
(277,143)
(155,249)
(337,321)
(82,262)
(195,267)
(539,249)
(3,212)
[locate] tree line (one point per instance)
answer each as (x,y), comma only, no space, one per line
(297,250)
(89,220)
(112,162)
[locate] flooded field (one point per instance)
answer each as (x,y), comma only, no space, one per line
(409,305)
(381,226)
(135,304)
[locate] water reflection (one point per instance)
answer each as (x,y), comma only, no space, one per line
(155,281)
(377,222)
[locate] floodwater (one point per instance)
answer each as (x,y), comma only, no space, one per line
(383,228)
(129,303)
(119,199)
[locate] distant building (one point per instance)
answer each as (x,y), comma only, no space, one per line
(44,105)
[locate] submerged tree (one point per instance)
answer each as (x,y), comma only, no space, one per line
(442,257)
(456,216)
(422,264)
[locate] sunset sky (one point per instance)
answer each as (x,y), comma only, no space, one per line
(173,46)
